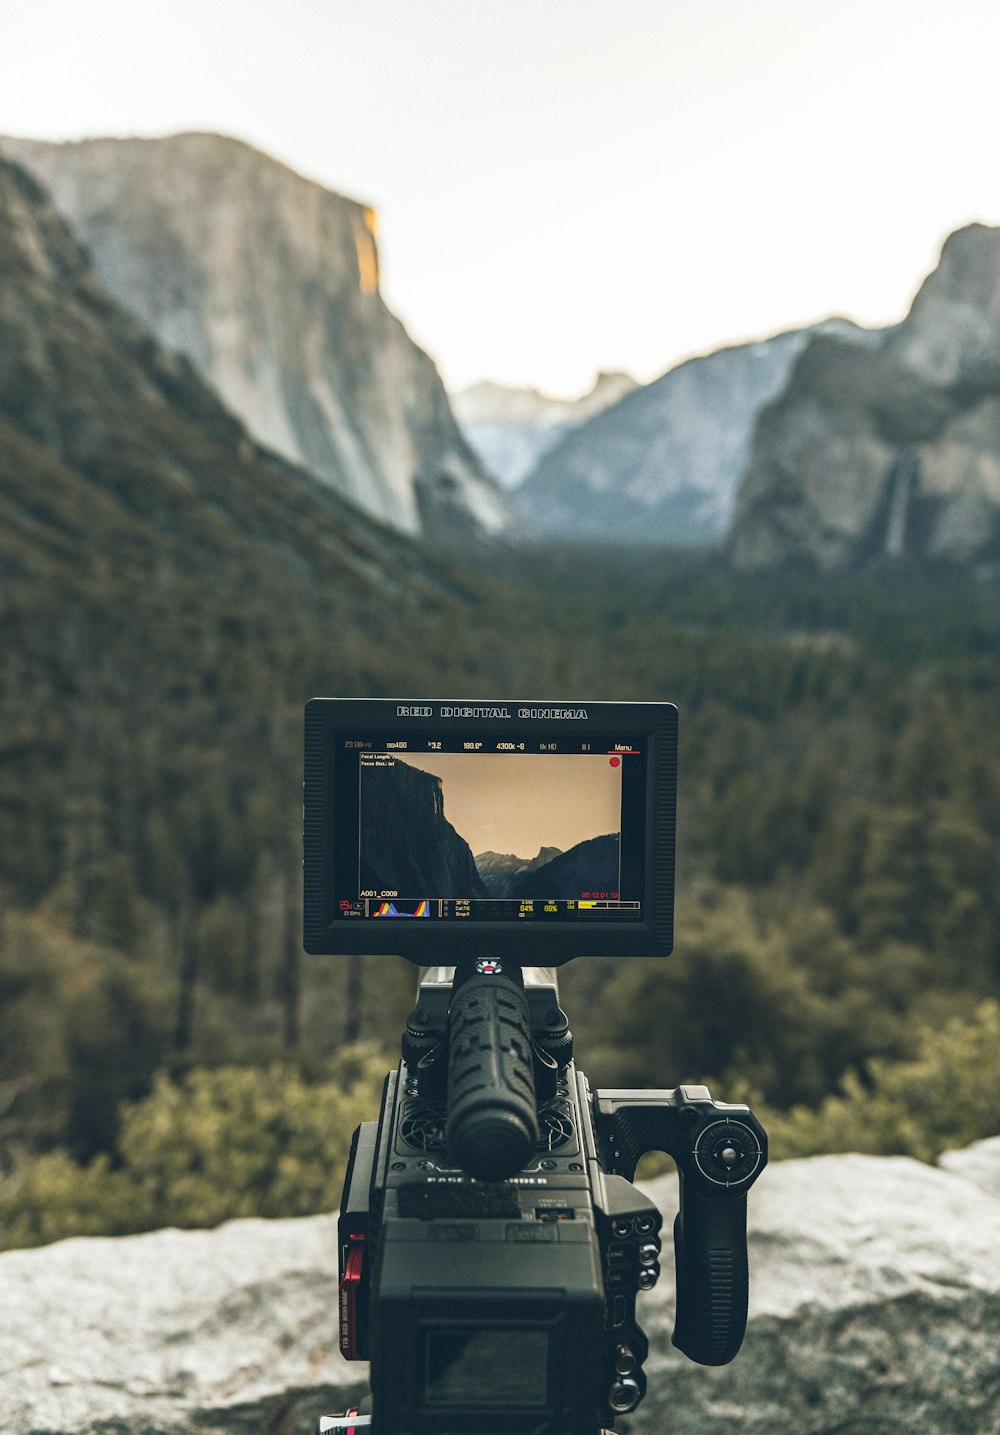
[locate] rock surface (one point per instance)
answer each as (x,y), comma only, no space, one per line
(232,1330)
(875,1296)
(952,333)
(663,464)
(408,845)
(874,456)
(111,443)
(268,283)
(875,1300)
(979,1162)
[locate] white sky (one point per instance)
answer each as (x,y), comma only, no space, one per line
(570,185)
(520,803)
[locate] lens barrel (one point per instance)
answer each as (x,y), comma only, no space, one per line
(492,1120)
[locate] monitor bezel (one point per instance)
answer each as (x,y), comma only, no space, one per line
(446,943)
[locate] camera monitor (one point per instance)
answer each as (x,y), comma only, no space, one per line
(539,831)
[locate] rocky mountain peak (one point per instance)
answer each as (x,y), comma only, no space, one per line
(112,442)
(511,428)
(952,333)
(662,463)
(268,283)
(881,454)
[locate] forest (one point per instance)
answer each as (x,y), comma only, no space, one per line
(169,1055)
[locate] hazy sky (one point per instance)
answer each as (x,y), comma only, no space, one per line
(522,802)
(570,185)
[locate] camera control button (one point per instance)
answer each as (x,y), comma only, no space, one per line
(727,1153)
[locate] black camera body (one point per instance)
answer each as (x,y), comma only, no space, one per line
(505,1306)
(489,1306)
(492,1244)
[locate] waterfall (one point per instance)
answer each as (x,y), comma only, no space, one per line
(902,484)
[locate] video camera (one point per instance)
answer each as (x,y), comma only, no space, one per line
(492,1244)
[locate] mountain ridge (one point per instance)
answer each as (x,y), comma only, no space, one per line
(500,870)
(512,428)
(589,866)
(892,454)
(268,283)
(408,845)
(88,383)
(664,462)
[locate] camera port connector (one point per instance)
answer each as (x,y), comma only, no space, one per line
(625,1361)
(624,1395)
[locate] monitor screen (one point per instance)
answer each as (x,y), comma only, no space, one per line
(492,822)
(492,1367)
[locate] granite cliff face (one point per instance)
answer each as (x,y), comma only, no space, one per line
(114,451)
(879,455)
(407,843)
(268,283)
(951,335)
(156,566)
(663,464)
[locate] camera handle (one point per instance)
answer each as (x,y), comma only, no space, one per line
(720,1150)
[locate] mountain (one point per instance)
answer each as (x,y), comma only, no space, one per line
(876,455)
(511,429)
(500,870)
(590,866)
(170,594)
(951,336)
(92,403)
(663,464)
(407,844)
(268,284)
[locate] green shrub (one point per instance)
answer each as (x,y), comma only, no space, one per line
(220,1143)
(236,1141)
(946,1096)
(240,1141)
(50,1197)
(778,1001)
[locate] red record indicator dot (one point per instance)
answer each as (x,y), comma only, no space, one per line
(616,762)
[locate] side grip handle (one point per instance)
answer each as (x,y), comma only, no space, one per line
(710,1252)
(631,1123)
